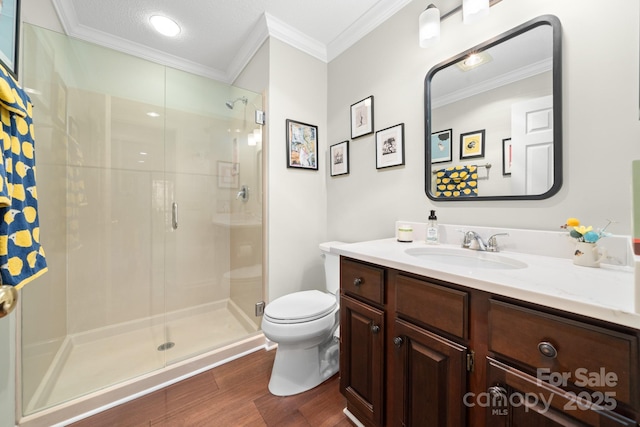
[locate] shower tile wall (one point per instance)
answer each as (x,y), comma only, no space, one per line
(107,175)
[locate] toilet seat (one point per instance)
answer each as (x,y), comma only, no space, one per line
(300,307)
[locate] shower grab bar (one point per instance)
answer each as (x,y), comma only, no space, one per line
(174,215)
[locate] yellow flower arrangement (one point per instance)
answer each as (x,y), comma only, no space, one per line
(582,233)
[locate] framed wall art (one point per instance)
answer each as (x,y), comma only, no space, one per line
(390,146)
(507,156)
(472,145)
(339,154)
(441,146)
(9,32)
(362,117)
(302,145)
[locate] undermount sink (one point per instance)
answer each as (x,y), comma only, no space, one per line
(466,258)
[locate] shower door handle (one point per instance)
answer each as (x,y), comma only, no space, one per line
(174,215)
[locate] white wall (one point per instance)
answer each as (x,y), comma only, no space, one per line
(601,126)
(296,198)
(40,13)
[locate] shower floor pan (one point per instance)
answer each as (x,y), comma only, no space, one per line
(93,360)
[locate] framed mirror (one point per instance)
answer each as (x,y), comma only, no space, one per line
(493,118)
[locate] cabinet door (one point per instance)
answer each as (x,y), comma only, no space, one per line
(430,378)
(361,359)
(514,398)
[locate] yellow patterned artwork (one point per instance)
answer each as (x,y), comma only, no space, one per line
(457,181)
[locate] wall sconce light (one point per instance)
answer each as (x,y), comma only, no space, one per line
(474,9)
(429,22)
(429,25)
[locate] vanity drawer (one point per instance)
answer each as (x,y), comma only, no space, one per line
(568,352)
(362,280)
(434,305)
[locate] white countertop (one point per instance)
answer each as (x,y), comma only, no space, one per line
(605,293)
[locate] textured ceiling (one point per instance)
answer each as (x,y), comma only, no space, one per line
(219,36)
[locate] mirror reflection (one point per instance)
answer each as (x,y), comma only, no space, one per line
(493,118)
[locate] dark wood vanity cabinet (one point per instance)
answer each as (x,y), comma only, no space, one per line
(559,369)
(429,353)
(403,359)
(361,359)
(430,378)
(362,332)
(421,352)
(515,398)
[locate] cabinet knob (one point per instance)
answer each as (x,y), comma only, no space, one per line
(375,329)
(357,281)
(397,341)
(498,394)
(547,349)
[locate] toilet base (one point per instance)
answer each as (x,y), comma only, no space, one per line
(296,370)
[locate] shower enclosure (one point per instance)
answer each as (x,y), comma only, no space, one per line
(154,253)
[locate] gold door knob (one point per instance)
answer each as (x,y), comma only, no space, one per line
(8,299)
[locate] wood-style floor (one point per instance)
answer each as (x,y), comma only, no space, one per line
(233,394)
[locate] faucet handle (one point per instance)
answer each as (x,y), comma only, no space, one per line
(492,243)
(466,240)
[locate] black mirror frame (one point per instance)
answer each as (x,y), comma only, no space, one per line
(554,22)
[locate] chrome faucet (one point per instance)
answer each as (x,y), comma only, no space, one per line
(243,193)
(490,246)
(492,243)
(469,237)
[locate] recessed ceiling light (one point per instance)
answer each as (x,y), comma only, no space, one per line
(474,60)
(165,26)
(153,114)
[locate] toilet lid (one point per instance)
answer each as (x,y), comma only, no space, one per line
(300,307)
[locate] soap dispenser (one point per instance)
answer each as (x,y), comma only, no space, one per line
(432,229)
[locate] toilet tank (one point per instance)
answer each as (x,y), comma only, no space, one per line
(331,266)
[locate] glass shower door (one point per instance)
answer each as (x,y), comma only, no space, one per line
(208,161)
(93,320)
(153,258)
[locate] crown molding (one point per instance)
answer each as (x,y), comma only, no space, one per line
(73,28)
(295,38)
(258,35)
(268,26)
(489,84)
(373,18)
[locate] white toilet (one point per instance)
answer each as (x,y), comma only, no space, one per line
(305,326)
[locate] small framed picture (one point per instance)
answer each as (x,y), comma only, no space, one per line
(362,117)
(302,145)
(506,156)
(9,31)
(339,154)
(390,146)
(472,144)
(228,175)
(441,146)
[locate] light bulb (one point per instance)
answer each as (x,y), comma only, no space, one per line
(165,26)
(429,26)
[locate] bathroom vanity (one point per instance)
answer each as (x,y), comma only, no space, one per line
(532,340)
